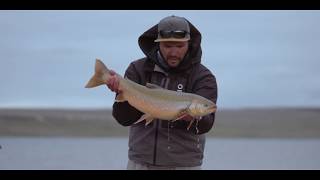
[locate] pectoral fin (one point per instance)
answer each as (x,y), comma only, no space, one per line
(191,122)
(146,117)
(197,118)
(181,115)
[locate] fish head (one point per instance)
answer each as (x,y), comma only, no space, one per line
(201,107)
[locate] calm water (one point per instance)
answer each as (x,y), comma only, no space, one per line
(111,153)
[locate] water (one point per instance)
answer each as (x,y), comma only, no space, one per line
(111,153)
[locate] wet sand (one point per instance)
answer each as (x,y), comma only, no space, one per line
(253,123)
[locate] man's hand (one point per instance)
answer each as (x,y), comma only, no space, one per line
(113,82)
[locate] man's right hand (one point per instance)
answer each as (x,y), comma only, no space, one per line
(113,82)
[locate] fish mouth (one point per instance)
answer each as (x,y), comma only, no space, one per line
(213,108)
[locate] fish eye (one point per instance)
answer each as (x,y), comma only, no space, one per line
(206,105)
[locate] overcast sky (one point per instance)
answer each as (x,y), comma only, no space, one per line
(260,58)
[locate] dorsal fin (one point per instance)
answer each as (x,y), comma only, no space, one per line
(153,86)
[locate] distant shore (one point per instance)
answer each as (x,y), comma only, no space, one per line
(249,123)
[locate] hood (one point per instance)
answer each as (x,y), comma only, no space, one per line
(150,48)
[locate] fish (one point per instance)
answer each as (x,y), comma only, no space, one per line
(152,100)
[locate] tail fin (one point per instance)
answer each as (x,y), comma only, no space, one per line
(97,78)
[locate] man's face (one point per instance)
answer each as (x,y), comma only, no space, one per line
(173,52)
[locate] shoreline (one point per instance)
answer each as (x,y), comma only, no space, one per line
(229,123)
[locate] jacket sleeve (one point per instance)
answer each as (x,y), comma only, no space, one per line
(123,112)
(205,86)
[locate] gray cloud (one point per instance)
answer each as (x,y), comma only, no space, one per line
(260,58)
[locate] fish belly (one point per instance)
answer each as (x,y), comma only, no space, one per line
(157,108)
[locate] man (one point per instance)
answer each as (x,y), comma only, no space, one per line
(173,61)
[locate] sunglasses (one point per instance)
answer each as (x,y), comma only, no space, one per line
(174,34)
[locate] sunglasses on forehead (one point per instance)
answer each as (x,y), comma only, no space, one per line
(174,34)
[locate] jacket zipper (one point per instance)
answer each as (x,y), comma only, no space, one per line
(165,85)
(155,143)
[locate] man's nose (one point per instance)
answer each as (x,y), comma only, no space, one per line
(173,52)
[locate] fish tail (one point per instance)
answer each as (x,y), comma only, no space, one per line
(101,72)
